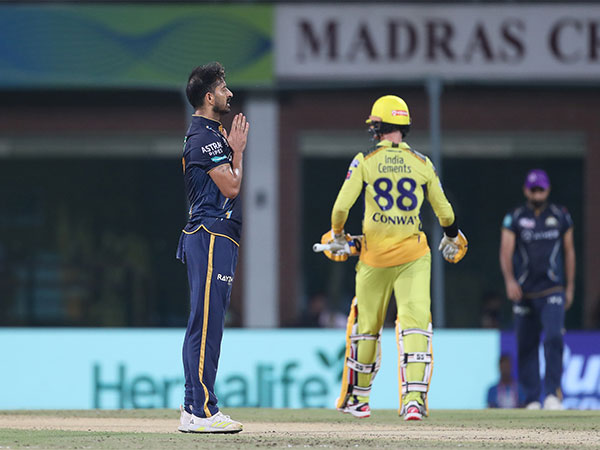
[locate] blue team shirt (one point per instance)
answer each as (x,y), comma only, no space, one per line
(205,148)
(538,259)
(502,395)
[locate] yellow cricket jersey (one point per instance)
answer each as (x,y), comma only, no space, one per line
(395,180)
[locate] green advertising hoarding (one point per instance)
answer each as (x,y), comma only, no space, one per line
(133,45)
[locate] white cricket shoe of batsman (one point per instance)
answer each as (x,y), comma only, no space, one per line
(360,410)
(413,410)
(219,423)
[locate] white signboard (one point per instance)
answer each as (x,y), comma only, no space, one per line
(400,42)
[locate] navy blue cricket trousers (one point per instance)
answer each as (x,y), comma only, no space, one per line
(532,316)
(211,260)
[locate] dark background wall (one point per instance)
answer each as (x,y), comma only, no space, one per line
(90,239)
(481,189)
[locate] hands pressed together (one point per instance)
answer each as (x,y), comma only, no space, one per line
(238,135)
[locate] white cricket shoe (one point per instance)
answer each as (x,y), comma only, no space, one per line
(553,403)
(361,410)
(533,405)
(219,423)
(184,420)
(413,410)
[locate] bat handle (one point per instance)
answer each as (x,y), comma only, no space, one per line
(320,247)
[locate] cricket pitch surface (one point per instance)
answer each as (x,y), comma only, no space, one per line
(307,428)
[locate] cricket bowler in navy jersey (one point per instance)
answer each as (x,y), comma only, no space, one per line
(394,257)
(212,168)
(537,257)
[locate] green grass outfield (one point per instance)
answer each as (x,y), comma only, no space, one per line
(307,428)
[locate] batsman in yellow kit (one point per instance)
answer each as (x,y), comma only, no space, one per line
(394,257)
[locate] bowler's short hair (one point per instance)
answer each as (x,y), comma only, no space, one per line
(203,79)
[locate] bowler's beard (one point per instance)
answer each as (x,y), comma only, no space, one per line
(222,110)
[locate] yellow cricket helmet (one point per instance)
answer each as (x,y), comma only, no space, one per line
(390,109)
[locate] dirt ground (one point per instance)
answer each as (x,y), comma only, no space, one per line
(484,435)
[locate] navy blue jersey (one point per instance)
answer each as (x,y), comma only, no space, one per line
(205,148)
(538,259)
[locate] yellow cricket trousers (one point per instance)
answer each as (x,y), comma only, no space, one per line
(410,284)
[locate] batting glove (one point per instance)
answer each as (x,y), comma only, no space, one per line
(338,244)
(454,249)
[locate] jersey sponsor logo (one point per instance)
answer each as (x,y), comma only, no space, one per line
(354,163)
(507,222)
(529,235)
(225,278)
(393,164)
(348,175)
(384,168)
(551,221)
(526,222)
(218,158)
(399,112)
(214,148)
(395,220)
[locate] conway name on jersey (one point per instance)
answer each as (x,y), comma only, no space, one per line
(394,180)
(205,148)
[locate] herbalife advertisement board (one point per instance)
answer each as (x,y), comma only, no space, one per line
(120,368)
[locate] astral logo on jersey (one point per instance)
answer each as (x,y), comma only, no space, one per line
(395,220)
(214,148)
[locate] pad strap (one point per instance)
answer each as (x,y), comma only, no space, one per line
(414,386)
(361,391)
(362,368)
(415,331)
(363,337)
(417,357)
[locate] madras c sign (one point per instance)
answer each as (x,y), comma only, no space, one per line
(453,42)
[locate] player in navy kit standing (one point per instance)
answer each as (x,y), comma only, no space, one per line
(212,167)
(537,257)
